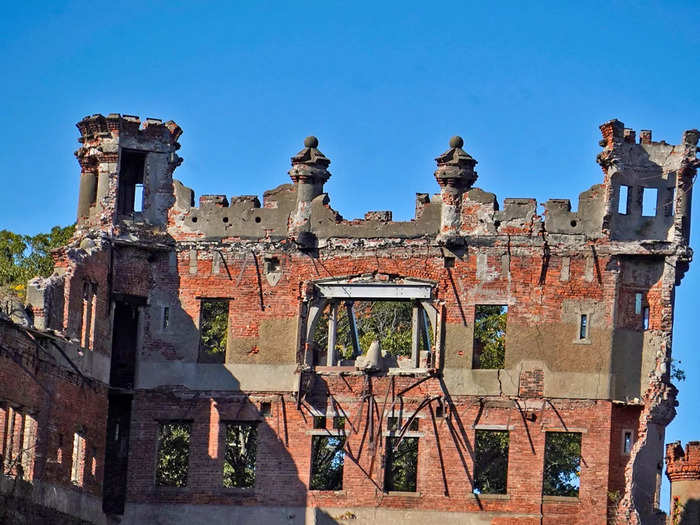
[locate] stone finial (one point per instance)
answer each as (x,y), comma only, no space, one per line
(455,166)
(310,165)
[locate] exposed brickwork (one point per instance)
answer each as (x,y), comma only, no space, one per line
(589,298)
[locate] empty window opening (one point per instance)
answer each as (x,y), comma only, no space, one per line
(670,204)
(623,201)
(327,458)
(28,447)
(491,462)
(138,198)
(401,464)
(266,408)
(213,330)
(645,318)
(131,175)
(583,327)
(394,424)
(562,464)
(348,328)
(338,422)
(649,196)
(78,464)
(173,454)
(87,330)
(93,462)
(239,456)
(638,303)
(166,318)
(271,265)
(319,421)
(627,442)
(490,336)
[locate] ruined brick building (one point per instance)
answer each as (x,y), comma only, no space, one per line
(245,362)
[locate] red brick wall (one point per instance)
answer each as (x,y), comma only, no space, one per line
(284,448)
(61,402)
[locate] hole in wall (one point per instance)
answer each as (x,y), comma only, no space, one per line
(194,219)
(622,200)
(574,223)
(649,196)
(258,219)
(225,219)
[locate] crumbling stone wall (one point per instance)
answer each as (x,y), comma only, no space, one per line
(589,297)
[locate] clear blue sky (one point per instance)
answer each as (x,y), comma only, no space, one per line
(382,84)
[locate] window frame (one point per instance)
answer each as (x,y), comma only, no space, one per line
(545,462)
(204,356)
(159,432)
(224,426)
(342,292)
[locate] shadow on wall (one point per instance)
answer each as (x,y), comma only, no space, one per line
(687,514)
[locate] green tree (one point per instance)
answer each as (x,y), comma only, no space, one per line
(173,454)
(389,322)
(240,452)
(562,463)
(213,329)
(490,336)
(401,464)
(491,465)
(25,256)
(327,458)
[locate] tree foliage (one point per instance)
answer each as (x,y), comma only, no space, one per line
(213,329)
(491,468)
(389,322)
(327,458)
(490,336)
(401,464)
(173,454)
(239,456)
(562,464)
(25,256)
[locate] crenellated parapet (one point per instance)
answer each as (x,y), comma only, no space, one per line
(683,464)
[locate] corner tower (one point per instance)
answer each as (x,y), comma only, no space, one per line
(126,170)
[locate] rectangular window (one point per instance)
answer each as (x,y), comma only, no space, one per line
(627,442)
(489,336)
(173,454)
(345,330)
(78,459)
(622,201)
(327,458)
(562,464)
(649,196)
(638,303)
(266,408)
(131,175)
(645,318)
(401,464)
(138,198)
(394,424)
(583,327)
(670,204)
(166,318)
(213,330)
(319,421)
(338,422)
(28,447)
(491,462)
(239,456)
